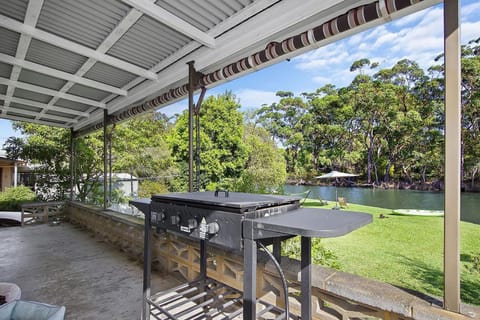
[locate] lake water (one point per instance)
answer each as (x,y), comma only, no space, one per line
(394,199)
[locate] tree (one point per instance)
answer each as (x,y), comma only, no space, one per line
(14,147)
(265,169)
(223,151)
(283,121)
(140,148)
(47,149)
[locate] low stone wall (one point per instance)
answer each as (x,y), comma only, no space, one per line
(336,295)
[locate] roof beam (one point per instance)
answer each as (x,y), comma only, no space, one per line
(47,123)
(281,16)
(45,106)
(60,74)
(125,24)
(285,17)
(31,18)
(16,26)
(171,20)
(51,92)
(35,114)
(239,17)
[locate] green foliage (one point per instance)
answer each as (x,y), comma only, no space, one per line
(140,148)
(320,254)
(48,149)
(388,127)
(222,149)
(265,170)
(95,196)
(12,198)
(89,167)
(147,188)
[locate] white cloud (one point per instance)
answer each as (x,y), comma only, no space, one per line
(471,10)
(252,98)
(470,31)
(408,20)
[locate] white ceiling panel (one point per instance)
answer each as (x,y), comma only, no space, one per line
(87,92)
(147,43)
(14,9)
(54,57)
(86,22)
(102,72)
(40,79)
(9,41)
(5,70)
(16,107)
(29,95)
(73,105)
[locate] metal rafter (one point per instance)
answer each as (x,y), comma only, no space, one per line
(171,20)
(50,116)
(50,92)
(31,18)
(47,123)
(37,104)
(17,62)
(234,36)
(23,28)
(229,23)
(128,21)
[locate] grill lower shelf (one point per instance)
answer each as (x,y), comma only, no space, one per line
(207,299)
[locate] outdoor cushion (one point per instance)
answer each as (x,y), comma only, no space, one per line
(10,291)
(30,310)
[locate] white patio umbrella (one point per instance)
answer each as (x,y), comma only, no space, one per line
(334,175)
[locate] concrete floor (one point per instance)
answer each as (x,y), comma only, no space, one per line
(64,265)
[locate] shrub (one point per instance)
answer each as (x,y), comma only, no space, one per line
(12,198)
(320,254)
(148,188)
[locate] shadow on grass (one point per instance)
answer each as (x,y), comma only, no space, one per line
(430,278)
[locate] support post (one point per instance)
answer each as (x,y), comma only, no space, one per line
(191,89)
(249,279)
(72,164)
(110,184)
(147,263)
(453,177)
(197,138)
(306,274)
(15,173)
(105,163)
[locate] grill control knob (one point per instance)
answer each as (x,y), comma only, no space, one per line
(192,223)
(213,228)
(175,220)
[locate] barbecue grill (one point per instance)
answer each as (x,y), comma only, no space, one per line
(239,222)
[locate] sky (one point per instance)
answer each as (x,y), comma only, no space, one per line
(418,37)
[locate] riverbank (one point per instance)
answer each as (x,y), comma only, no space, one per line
(392,198)
(399,250)
(399,185)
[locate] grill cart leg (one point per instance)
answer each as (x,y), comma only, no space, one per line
(249,279)
(306,273)
(147,264)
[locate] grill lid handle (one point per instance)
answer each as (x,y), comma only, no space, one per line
(224,191)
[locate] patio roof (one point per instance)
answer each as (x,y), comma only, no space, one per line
(63,62)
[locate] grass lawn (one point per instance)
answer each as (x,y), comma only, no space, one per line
(406,251)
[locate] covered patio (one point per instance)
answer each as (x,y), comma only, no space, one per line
(85,65)
(65,265)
